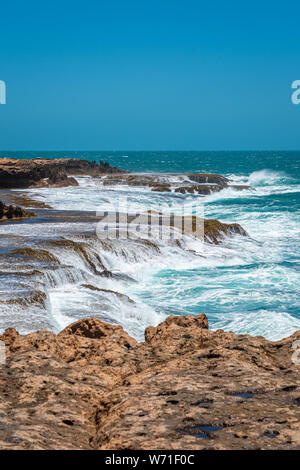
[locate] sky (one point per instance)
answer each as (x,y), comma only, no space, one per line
(149,75)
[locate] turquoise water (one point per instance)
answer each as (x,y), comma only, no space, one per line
(245,285)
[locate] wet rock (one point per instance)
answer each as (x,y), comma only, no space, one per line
(13,212)
(108,291)
(242,187)
(48,172)
(129,179)
(82,250)
(214,230)
(200,189)
(208,178)
(9,336)
(208,189)
(163,181)
(94,387)
(35,297)
(210,230)
(18,198)
(36,254)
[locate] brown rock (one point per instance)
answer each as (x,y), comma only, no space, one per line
(160,187)
(9,336)
(214,230)
(201,189)
(13,212)
(92,328)
(206,183)
(208,178)
(173,326)
(185,387)
(44,172)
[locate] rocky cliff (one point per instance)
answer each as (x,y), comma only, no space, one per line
(94,387)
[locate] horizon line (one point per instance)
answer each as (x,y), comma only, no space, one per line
(153,150)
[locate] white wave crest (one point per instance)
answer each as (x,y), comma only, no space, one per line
(266,177)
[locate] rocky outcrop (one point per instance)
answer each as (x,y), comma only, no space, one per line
(215,231)
(160,187)
(153,179)
(47,172)
(60,172)
(13,212)
(185,387)
(205,183)
(200,189)
(208,178)
(208,189)
(130,179)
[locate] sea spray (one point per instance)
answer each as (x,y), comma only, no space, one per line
(247,285)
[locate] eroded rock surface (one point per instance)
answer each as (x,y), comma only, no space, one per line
(44,172)
(208,189)
(186,387)
(12,212)
(214,230)
(192,183)
(208,178)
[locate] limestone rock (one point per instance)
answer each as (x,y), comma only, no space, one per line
(13,212)
(186,387)
(45,172)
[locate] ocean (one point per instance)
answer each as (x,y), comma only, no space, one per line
(248,285)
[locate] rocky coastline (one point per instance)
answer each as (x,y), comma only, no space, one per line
(92,386)
(192,183)
(42,172)
(12,212)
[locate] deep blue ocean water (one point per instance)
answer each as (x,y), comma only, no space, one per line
(244,285)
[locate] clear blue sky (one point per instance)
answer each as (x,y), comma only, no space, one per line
(149,75)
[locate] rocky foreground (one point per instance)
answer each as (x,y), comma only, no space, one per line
(94,387)
(43,172)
